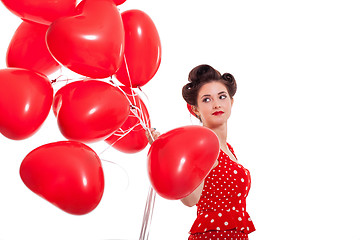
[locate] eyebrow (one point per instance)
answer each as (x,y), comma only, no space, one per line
(208,95)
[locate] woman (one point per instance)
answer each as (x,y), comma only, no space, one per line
(221,197)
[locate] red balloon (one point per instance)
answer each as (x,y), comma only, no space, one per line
(90,43)
(119,2)
(41,11)
(179,160)
(25,102)
(135,139)
(79,6)
(28,49)
(89,110)
(67,174)
(142,49)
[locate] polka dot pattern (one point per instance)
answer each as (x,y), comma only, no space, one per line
(222,205)
(220,235)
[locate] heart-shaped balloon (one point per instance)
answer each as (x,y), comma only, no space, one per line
(28,49)
(142,49)
(67,174)
(90,110)
(25,102)
(179,160)
(119,2)
(90,43)
(131,137)
(41,11)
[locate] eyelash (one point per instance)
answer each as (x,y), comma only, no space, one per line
(220,97)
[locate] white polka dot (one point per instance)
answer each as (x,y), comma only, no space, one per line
(249,219)
(235,171)
(239,218)
(220,214)
(212,220)
(217,229)
(226,223)
(239,194)
(233,208)
(206,215)
(242,180)
(199,225)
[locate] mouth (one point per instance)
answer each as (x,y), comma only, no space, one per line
(217,113)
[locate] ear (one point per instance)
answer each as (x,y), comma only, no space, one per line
(194,109)
(232,101)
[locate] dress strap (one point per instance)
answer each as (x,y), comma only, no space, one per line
(231,149)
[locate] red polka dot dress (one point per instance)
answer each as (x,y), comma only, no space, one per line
(221,210)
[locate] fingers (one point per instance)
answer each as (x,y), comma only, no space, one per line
(154,135)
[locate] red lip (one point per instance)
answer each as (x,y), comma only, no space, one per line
(218,113)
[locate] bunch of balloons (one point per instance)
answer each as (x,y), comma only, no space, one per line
(95,40)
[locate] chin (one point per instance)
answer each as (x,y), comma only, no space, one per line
(217,123)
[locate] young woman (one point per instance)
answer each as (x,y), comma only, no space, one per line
(221,197)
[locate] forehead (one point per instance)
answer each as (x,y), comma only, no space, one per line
(212,88)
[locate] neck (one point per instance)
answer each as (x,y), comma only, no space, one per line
(221,133)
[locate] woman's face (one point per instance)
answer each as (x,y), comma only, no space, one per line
(214,104)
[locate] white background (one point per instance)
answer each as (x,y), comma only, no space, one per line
(295,123)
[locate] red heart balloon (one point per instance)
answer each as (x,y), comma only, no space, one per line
(67,174)
(90,110)
(131,137)
(90,43)
(179,160)
(119,2)
(28,49)
(142,49)
(41,11)
(25,102)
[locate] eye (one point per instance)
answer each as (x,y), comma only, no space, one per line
(205,100)
(223,96)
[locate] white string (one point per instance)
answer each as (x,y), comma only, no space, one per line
(144,122)
(123,169)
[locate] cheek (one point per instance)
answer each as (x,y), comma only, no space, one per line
(229,107)
(204,108)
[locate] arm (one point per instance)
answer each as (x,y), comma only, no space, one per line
(193,198)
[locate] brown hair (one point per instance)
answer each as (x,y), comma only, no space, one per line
(202,74)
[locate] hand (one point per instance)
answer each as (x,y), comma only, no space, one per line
(154,135)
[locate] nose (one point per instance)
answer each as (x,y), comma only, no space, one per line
(216,104)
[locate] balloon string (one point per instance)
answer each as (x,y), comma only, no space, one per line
(147,119)
(127,70)
(118,139)
(123,169)
(144,122)
(130,81)
(149,208)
